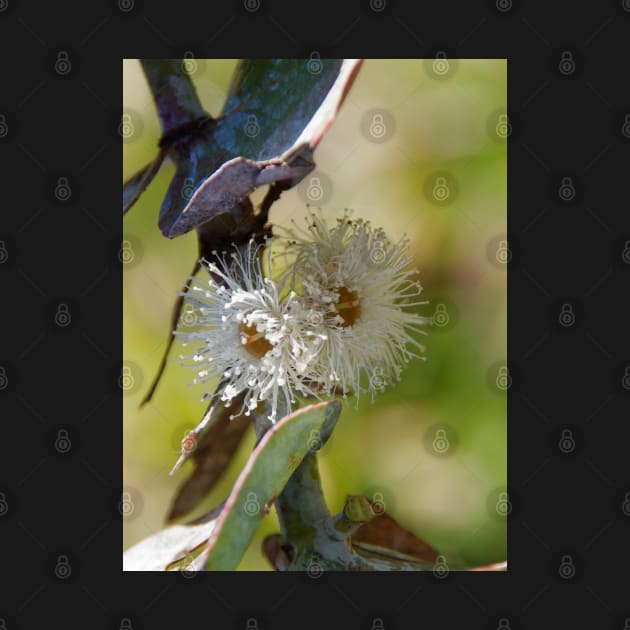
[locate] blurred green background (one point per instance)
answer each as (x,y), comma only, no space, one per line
(438,124)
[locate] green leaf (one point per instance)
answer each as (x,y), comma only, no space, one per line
(276,112)
(267,471)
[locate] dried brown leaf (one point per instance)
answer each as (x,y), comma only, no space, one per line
(211,446)
(383,534)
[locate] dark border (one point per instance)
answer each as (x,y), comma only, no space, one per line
(567,250)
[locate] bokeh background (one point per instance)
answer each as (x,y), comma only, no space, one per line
(419,147)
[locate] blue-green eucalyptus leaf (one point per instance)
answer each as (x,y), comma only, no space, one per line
(272,462)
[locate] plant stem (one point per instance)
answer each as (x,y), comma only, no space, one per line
(301,506)
(173,92)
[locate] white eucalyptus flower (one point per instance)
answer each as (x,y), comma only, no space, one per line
(246,335)
(363,285)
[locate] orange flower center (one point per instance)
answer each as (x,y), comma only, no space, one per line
(254,341)
(348,306)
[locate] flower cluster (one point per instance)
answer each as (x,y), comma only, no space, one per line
(337,321)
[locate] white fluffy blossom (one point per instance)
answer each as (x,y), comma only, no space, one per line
(346,325)
(243,333)
(362,283)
